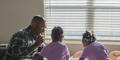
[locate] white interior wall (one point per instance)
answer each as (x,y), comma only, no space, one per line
(16,14)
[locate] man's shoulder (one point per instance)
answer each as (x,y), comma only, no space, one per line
(17,38)
(21,33)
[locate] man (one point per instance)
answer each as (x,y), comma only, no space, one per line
(27,41)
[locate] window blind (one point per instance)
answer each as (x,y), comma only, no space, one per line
(69,14)
(107,19)
(77,16)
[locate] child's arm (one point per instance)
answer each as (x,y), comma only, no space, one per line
(84,54)
(67,57)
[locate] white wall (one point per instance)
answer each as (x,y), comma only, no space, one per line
(16,14)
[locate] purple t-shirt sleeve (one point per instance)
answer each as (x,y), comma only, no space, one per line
(106,51)
(43,52)
(84,53)
(66,51)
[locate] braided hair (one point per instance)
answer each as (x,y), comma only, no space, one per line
(56,32)
(89,37)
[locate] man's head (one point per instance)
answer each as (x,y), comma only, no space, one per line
(88,38)
(57,34)
(38,24)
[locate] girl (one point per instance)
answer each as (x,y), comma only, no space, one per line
(56,50)
(93,50)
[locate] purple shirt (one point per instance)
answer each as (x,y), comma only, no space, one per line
(55,51)
(95,51)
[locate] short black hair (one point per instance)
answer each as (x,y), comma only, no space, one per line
(56,32)
(38,18)
(89,37)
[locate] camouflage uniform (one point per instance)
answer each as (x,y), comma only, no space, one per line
(20,45)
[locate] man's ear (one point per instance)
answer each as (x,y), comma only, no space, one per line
(33,24)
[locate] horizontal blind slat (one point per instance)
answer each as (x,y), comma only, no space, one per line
(72,15)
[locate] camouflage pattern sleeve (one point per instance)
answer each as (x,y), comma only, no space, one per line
(18,45)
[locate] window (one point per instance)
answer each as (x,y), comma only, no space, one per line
(77,16)
(107,19)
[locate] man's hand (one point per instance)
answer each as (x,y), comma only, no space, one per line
(39,41)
